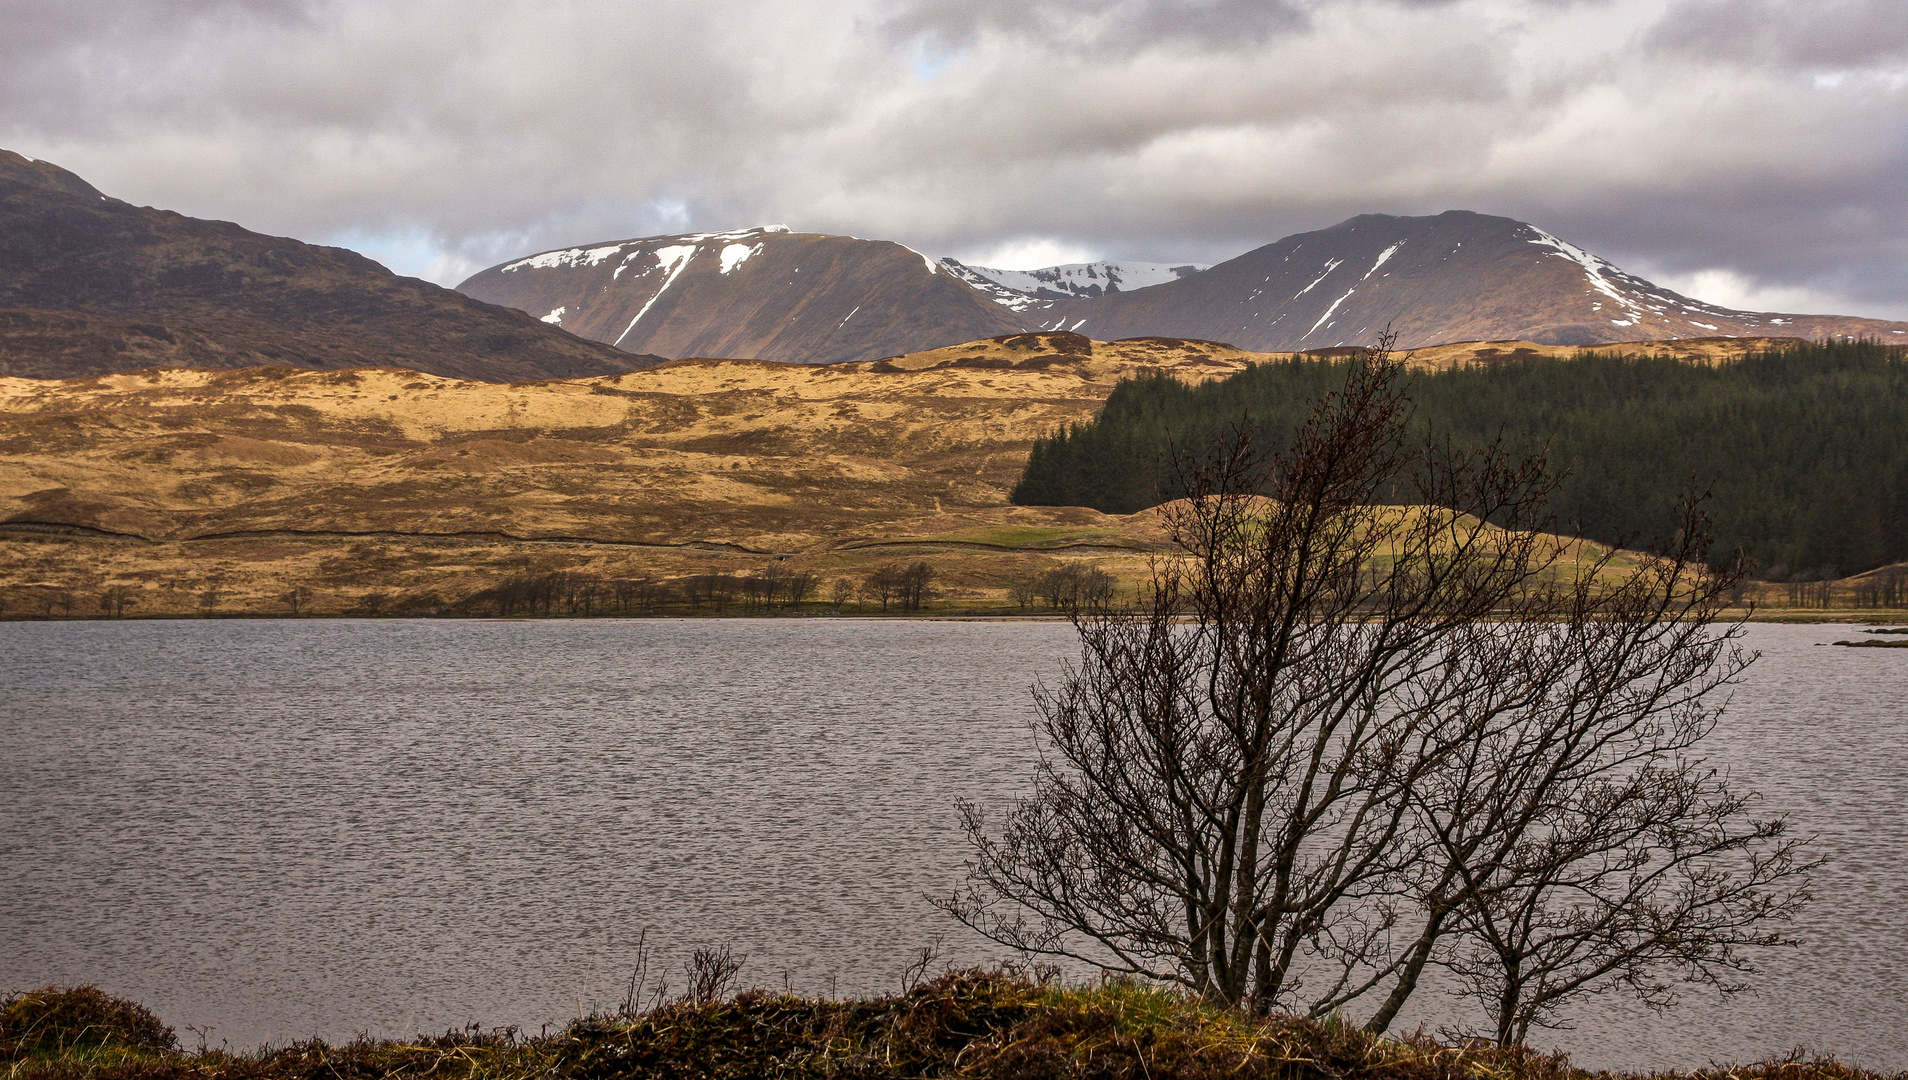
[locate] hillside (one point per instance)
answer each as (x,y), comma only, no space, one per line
(1458,276)
(383,490)
(90,285)
(765,293)
(173,483)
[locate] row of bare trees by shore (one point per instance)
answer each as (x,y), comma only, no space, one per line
(891,587)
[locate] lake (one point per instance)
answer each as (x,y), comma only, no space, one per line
(272,829)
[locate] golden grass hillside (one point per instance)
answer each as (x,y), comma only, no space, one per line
(268,490)
(179,483)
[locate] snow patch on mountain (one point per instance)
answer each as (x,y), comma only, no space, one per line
(736,254)
(672,261)
(551,260)
(1595,269)
(1022,290)
(1382,256)
(1330,265)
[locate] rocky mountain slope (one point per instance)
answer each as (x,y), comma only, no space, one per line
(1458,276)
(763,293)
(90,285)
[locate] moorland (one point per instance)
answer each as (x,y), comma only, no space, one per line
(695,486)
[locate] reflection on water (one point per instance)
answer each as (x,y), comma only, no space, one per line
(280,829)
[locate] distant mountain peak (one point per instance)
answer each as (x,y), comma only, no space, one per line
(762,292)
(1455,276)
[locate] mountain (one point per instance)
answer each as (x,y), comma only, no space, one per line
(804,297)
(1458,276)
(765,293)
(91,285)
(1021,290)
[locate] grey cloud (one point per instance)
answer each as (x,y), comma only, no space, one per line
(449,134)
(1100,25)
(1819,33)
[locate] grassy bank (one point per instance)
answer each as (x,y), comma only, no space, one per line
(961,1025)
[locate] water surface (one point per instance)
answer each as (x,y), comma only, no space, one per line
(275,829)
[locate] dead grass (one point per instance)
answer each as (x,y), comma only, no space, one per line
(970,1024)
(379,490)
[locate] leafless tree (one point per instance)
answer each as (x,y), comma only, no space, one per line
(842,591)
(797,586)
(1263,785)
(916,586)
(1024,590)
(883,584)
(713,589)
(296,598)
(1075,586)
(209,599)
(114,601)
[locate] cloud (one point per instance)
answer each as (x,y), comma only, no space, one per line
(1756,138)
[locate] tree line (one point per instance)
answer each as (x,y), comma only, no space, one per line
(1804,448)
(892,586)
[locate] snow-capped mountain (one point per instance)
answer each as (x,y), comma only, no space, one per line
(1023,290)
(1458,276)
(764,292)
(777,295)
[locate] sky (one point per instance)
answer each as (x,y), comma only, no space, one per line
(1752,153)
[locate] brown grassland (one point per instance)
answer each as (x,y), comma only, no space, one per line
(266,491)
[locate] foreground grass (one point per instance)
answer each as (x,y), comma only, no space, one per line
(967,1024)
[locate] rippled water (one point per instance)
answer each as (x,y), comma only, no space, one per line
(279,829)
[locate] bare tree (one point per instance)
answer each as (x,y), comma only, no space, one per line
(209,599)
(797,586)
(1250,783)
(916,586)
(842,591)
(883,583)
(114,601)
(1023,591)
(296,598)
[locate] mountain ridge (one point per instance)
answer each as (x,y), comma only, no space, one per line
(90,284)
(1453,277)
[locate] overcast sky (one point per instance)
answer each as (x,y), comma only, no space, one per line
(1750,152)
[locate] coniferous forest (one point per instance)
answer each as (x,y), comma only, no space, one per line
(1804,449)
